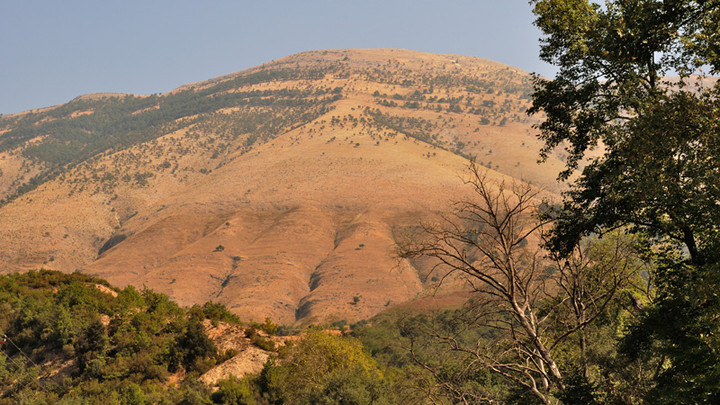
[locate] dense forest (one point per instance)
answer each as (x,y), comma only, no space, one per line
(73,339)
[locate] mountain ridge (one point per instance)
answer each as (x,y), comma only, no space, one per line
(238,187)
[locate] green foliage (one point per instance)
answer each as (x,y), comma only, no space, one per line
(453,378)
(658,137)
(132,394)
(91,345)
(681,327)
(447,374)
(124,347)
(268,326)
(611,60)
(194,392)
(348,386)
(232,391)
(579,390)
(658,173)
(258,340)
(217,312)
(322,369)
(196,347)
(128,300)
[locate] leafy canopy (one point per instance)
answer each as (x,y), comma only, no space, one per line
(658,173)
(660,138)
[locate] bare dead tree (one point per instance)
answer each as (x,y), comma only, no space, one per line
(526,295)
(588,280)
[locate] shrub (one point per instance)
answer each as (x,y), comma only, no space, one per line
(321,368)
(232,391)
(196,347)
(259,341)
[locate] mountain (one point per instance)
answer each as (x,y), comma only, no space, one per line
(278,191)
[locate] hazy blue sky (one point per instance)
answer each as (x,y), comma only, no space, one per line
(53,51)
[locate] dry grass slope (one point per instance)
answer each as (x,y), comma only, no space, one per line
(285,202)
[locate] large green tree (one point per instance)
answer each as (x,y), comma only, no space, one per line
(659,170)
(659,136)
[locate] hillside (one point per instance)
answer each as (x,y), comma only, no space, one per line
(70,337)
(278,191)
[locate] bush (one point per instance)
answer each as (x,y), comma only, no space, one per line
(197,348)
(268,326)
(132,394)
(218,312)
(232,391)
(322,368)
(259,341)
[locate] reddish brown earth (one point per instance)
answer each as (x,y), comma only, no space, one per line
(300,226)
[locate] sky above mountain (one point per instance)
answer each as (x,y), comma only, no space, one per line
(54,51)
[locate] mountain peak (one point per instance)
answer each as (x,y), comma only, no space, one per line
(279,190)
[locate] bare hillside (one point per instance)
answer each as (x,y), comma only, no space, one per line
(278,191)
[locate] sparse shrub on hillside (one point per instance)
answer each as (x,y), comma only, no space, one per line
(340,325)
(263,343)
(284,330)
(215,312)
(268,326)
(228,115)
(258,340)
(121,123)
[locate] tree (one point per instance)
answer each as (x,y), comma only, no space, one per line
(535,306)
(91,344)
(657,135)
(198,351)
(324,369)
(233,391)
(658,172)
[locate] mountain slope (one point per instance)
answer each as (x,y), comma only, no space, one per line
(278,191)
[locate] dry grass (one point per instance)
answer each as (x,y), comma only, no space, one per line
(307,219)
